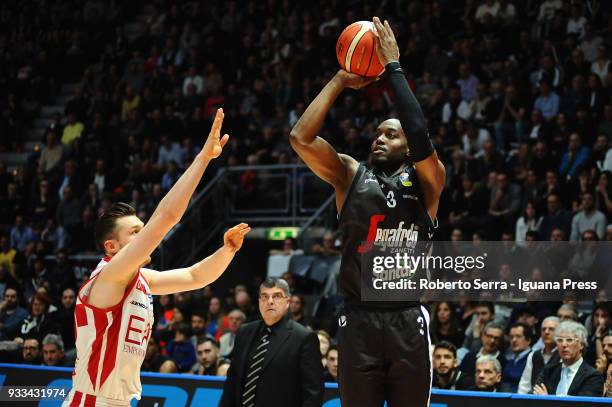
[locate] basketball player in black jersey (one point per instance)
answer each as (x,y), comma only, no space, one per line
(383,346)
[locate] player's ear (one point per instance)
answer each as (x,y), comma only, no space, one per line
(111,246)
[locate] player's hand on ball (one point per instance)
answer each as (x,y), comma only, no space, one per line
(234,237)
(386,44)
(353,81)
(214,143)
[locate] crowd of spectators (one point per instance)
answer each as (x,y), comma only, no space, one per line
(518,99)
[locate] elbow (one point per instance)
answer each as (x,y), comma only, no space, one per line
(169,216)
(295,137)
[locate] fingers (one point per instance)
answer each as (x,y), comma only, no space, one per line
(224,140)
(216,127)
(389,30)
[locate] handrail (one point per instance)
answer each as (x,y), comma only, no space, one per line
(197,200)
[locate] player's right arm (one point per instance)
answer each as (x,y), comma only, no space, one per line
(333,168)
(122,268)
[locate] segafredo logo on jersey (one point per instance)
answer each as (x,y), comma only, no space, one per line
(399,236)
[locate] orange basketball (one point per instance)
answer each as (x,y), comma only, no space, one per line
(356,50)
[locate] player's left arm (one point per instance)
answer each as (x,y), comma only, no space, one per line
(202,273)
(430,170)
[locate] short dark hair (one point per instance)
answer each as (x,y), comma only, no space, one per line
(207,339)
(272,282)
(448,346)
(200,313)
(527,331)
(331,347)
(182,328)
(105,226)
(487,304)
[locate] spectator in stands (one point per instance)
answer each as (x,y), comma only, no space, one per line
(169,151)
(209,358)
(331,364)
(154,361)
(7,253)
(588,218)
(39,323)
(548,101)
(243,302)
(576,155)
(521,338)
(492,338)
(11,315)
(180,348)
(69,211)
(65,320)
(556,218)
(446,374)
(30,353)
(198,327)
(487,374)
(541,355)
(297,309)
(529,222)
(567,312)
(484,313)
(214,315)
(74,129)
(54,235)
(597,325)
(53,350)
(234,319)
(604,359)
(324,344)
(445,325)
(573,377)
(328,248)
(50,156)
(505,203)
(21,234)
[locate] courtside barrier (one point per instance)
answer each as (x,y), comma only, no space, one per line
(186,390)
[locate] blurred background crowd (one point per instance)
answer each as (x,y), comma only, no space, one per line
(518,100)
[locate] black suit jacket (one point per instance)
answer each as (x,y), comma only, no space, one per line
(587,381)
(292,375)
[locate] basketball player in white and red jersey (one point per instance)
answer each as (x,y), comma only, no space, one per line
(114,311)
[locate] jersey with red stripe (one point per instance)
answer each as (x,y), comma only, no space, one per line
(111,344)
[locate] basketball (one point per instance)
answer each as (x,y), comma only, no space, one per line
(356,50)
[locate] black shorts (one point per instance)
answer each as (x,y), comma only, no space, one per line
(383,355)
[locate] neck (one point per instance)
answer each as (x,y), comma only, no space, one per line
(445,379)
(390,169)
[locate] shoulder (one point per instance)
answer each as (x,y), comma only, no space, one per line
(301,331)
(246,328)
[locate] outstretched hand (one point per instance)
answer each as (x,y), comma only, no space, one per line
(234,237)
(353,81)
(214,143)
(386,44)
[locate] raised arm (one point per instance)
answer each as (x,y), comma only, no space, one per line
(430,170)
(333,168)
(121,269)
(201,273)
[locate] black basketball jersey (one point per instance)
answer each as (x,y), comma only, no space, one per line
(379,208)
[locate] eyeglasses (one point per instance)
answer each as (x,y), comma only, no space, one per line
(569,341)
(275,297)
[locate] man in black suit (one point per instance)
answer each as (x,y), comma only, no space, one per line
(572,376)
(275,362)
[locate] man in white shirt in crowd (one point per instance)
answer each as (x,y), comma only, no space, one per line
(573,376)
(544,351)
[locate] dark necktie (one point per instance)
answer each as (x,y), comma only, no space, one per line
(254,370)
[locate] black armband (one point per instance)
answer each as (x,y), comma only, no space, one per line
(410,114)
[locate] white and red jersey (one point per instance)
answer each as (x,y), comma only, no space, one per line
(111,344)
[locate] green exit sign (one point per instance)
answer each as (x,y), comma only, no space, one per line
(282,233)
